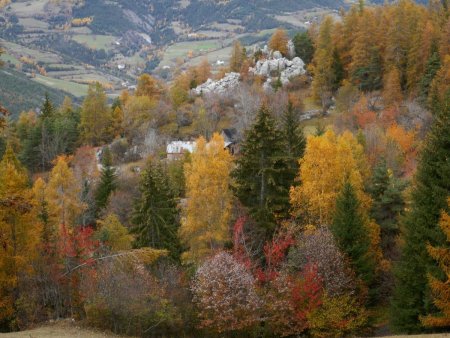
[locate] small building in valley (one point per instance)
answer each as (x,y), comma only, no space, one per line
(230,137)
(176,149)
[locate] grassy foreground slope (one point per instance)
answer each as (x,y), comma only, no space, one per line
(61,329)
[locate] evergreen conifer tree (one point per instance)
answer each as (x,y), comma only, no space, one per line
(47,108)
(388,204)
(304,47)
(260,172)
(338,70)
(295,142)
(411,297)
(156,219)
(432,67)
(351,235)
(108,181)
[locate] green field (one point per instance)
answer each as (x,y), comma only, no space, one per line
(28,8)
(95,41)
(30,23)
(85,78)
(73,88)
(9,58)
(181,49)
(220,54)
(44,57)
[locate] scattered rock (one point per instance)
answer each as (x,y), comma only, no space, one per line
(267,86)
(277,55)
(291,49)
(287,69)
(296,68)
(222,86)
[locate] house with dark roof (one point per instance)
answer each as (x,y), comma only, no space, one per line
(230,136)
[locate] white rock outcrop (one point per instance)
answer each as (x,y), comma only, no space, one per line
(229,82)
(291,49)
(296,68)
(287,69)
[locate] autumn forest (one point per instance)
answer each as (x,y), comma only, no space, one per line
(314,207)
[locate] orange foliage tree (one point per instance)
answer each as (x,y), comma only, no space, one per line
(279,41)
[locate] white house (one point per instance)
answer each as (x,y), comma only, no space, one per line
(176,149)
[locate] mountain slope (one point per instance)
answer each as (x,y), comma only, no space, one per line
(19,93)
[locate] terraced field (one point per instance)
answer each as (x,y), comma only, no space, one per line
(73,88)
(96,41)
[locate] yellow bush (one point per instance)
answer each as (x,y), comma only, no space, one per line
(338,317)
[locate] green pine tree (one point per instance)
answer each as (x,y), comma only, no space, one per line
(388,205)
(108,181)
(47,108)
(260,171)
(295,142)
(30,154)
(156,218)
(66,131)
(380,180)
(432,67)
(277,85)
(321,128)
(370,77)
(351,234)
(412,297)
(304,47)
(55,133)
(338,70)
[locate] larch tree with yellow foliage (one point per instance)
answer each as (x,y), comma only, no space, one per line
(148,86)
(63,194)
(203,71)
(279,41)
(328,162)
(237,57)
(3,3)
(19,236)
(96,117)
(392,91)
(113,234)
(204,227)
(324,75)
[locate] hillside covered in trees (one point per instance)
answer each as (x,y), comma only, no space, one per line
(302,190)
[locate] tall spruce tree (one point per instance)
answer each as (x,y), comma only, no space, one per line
(369,77)
(260,172)
(156,218)
(431,69)
(47,108)
(108,181)
(304,47)
(412,297)
(351,234)
(338,70)
(295,142)
(388,205)
(54,133)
